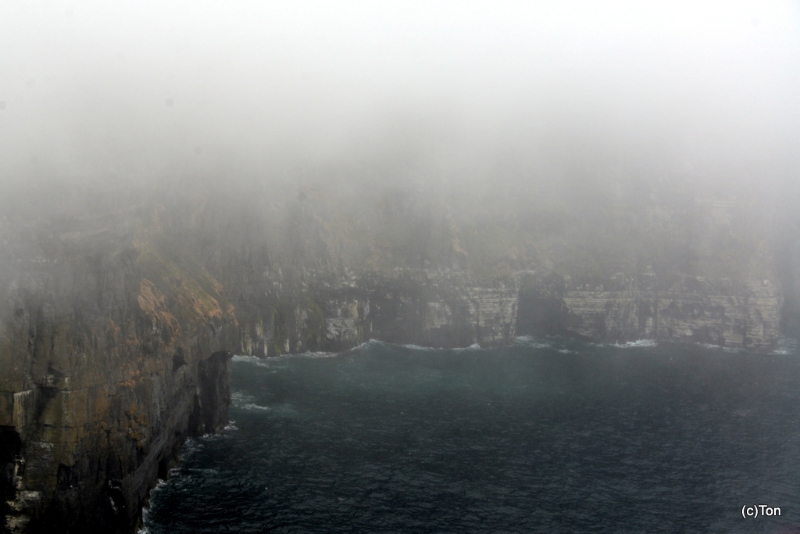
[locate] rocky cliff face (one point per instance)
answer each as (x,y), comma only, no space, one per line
(620,309)
(116,326)
(112,353)
(318,311)
(450,309)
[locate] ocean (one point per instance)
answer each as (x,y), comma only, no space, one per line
(542,436)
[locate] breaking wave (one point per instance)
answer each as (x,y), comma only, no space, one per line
(252,406)
(472,347)
(270,360)
(636,344)
(786,345)
(417,347)
(255,360)
(532,342)
(239,399)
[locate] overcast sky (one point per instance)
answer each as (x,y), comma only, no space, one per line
(127,89)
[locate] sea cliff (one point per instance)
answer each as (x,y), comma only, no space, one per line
(112,354)
(118,317)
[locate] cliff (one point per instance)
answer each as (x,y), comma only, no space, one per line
(620,309)
(332,312)
(338,268)
(113,352)
(452,309)
(118,314)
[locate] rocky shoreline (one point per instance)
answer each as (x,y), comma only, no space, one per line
(116,332)
(450,309)
(110,361)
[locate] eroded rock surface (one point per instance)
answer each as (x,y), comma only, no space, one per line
(329,312)
(116,326)
(620,309)
(112,353)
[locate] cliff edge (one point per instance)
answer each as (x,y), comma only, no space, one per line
(113,352)
(118,313)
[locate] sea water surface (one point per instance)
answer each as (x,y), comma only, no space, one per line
(542,436)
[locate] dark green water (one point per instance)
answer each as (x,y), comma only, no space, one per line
(544,436)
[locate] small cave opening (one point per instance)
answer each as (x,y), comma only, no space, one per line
(178,360)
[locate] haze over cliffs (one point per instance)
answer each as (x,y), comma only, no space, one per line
(206,180)
(122,307)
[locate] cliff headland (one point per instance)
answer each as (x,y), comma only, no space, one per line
(120,313)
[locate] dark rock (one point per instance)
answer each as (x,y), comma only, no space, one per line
(112,356)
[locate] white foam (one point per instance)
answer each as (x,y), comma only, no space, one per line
(192,445)
(636,344)
(239,399)
(366,345)
(532,342)
(472,347)
(255,360)
(786,346)
(245,402)
(245,358)
(720,347)
(314,355)
(270,361)
(255,407)
(417,347)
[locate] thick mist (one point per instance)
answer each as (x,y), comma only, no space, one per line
(431,92)
(490,137)
(551,182)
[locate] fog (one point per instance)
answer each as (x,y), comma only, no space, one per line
(475,110)
(128,91)
(580,198)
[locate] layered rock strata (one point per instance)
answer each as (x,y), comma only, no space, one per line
(447,309)
(112,354)
(114,338)
(431,308)
(620,308)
